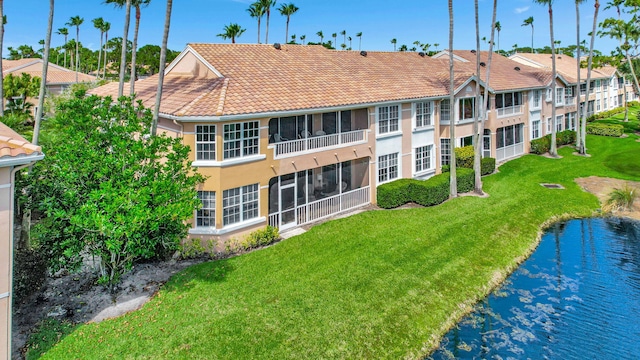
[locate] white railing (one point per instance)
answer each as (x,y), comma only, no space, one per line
(327,207)
(507,111)
(509,151)
(318,142)
(569,100)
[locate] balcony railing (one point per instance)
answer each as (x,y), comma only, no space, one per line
(508,111)
(317,143)
(569,100)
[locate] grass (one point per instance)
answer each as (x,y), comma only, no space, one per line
(380,284)
(48,333)
(630,127)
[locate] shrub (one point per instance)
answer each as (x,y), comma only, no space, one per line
(565,137)
(432,191)
(487,166)
(633,104)
(446,168)
(464,156)
(605,130)
(621,199)
(541,145)
(29,272)
(261,237)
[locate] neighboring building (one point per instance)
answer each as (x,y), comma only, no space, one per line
(291,134)
(58,77)
(15,153)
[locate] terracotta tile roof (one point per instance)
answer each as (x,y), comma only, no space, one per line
(260,78)
(14,145)
(566,66)
(55,74)
(504,75)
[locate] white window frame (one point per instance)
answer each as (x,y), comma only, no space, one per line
(536,100)
(445,151)
(387,122)
(536,129)
(203,131)
(549,124)
(423,159)
(559,122)
(559,96)
(568,95)
(461,108)
(246,139)
(445,104)
(423,114)
(206,215)
(548,96)
(598,84)
(241,201)
(516,97)
(388,168)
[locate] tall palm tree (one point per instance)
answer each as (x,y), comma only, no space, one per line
(529,22)
(163,60)
(436,45)
(321,35)
(616,4)
(344,36)
(394,41)
(125,38)
(76,21)
(232,31)
(43,82)
(4,21)
(98,23)
(106,27)
(266,5)
(580,109)
(583,149)
(359,36)
(453,183)
(335,39)
(64,32)
(256,11)
(138,4)
(553,151)
(498,28)
(350,39)
(476,138)
(303,37)
(287,10)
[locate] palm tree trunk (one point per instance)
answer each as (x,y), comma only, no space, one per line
(100,54)
(453,184)
(65,51)
(476,139)
(77,50)
(106,40)
(1,44)
(532,51)
(578,125)
(43,82)
(553,151)
(583,149)
(134,51)
(286,35)
(266,36)
(123,55)
(163,60)
(259,29)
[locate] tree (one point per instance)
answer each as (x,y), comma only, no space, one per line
(232,31)
(16,90)
(138,4)
(64,32)
(403,48)
(359,36)
(266,5)
(4,21)
(76,21)
(350,39)
(98,23)
(498,28)
(120,209)
(106,27)
(149,56)
(580,108)
(582,149)
(344,36)
(553,151)
(125,36)
(256,11)
(477,138)
(43,82)
(335,38)
(287,10)
(394,41)
(436,45)
(163,64)
(303,37)
(529,22)
(453,183)
(321,35)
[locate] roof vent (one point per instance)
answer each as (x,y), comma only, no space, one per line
(483,64)
(517,68)
(473,51)
(363,53)
(277,46)
(421,54)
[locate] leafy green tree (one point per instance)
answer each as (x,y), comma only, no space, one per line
(498,28)
(232,31)
(266,6)
(107,191)
(17,89)
(149,56)
(394,41)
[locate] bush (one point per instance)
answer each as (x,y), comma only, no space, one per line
(464,156)
(255,239)
(605,114)
(541,145)
(432,191)
(605,130)
(487,166)
(29,272)
(565,137)
(633,104)
(621,199)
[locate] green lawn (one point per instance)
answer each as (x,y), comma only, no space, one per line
(630,127)
(380,284)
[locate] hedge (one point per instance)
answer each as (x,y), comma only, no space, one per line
(542,145)
(605,114)
(464,156)
(605,130)
(432,191)
(487,166)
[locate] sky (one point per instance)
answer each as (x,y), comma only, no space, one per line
(197,21)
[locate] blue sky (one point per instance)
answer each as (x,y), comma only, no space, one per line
(378,20)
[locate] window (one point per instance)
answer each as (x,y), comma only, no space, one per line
(509,135)
(466,141)
(559,96)
(592,85)
(445,110)
(423,114)
(423,158)
(509,103)
(598,105)
(559,122)
(387,167)
(568,96)
(445,151)
(583,89)
(597,86)
(241,139)
(205,142)
(548,97)
(569,121)
(537,95)
(206,216)
(535,129)
(548,125)
(387,119)
(605,86)
(466,109)
(239,204)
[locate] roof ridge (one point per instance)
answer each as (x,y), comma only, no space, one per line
(223,96)
(191,104)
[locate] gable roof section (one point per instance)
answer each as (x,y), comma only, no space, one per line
(55,74)
(14,149)
(565,66)
(260,79)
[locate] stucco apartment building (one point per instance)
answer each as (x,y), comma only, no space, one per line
(290,134)
(58,78)
(15,154)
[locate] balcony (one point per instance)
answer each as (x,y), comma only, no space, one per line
(508,111)
(318,142)
(569,100)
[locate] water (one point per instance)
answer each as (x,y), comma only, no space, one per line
(576,297)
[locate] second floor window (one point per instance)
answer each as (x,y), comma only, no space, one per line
(206,142)
(388,119)
(241,139)
(445,110)
(466,109)
(559,96)
(423,114)
(537,96)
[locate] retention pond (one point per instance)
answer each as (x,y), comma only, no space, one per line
(576,297)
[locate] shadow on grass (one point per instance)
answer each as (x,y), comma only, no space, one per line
(209,272)
(625,162)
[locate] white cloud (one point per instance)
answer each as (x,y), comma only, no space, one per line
(520,10)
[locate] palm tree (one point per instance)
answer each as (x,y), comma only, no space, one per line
(4,21)
(321,35)
(580,109)
(359,36)
(76,21)
(476,138)
(65,32)
(106,27)
(134,48)
(394,41)
(582,149)
(498,28)
(453,184)
(417,44)
(343,46)
(303,37)
(98,23)
(232,31)
(163,60)
(256,11)
(553,151)
(293,38)
(349,38)
(43,82)
(344,36)
(529,22)
(266,5)
(436,46)
(617,4)
(125,38)
(335,39)
(287,10)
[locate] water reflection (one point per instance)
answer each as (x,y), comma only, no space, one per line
(576,297)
